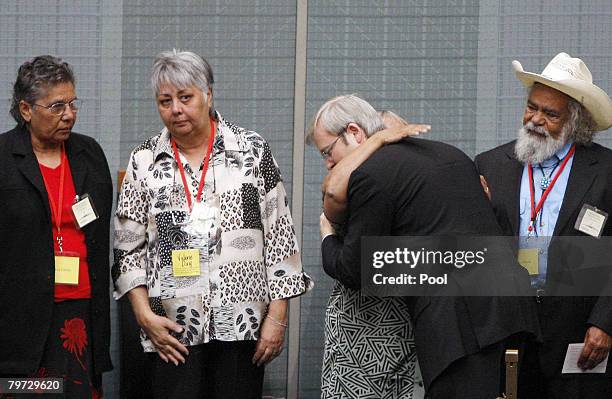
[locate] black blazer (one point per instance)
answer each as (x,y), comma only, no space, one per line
(26,250)
(565,319)
(419,188)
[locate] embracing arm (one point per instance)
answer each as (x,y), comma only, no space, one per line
(371,214)
(335,184)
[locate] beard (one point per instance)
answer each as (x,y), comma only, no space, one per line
(535,144)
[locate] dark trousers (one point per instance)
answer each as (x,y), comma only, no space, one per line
(136,367)
(535,384)
(216,370)
(476,376)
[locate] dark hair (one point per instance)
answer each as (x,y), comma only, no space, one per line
(34,77)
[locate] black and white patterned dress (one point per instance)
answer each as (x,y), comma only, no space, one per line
(247,259)
(369,348)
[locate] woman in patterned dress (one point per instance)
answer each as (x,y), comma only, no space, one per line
(204,243)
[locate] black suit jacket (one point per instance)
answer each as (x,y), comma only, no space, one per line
(26,250)
(419,188)
(565,320)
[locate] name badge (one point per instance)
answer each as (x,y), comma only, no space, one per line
(529,259)
(591,221)
(83,211)
(186,262)
(66,269)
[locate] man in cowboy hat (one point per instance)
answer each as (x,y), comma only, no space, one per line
(544,185)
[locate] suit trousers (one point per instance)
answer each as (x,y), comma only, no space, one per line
(216,370)
(533,383)
(476,376)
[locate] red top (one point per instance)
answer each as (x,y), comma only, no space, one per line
(73,238)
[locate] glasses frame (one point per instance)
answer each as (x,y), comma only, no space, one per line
(326,153)
(74,106)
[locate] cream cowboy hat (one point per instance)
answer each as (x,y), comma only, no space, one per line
(572,77)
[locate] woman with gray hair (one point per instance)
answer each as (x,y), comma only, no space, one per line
(56,201)
(204,243)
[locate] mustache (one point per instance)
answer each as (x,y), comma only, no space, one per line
(530,127)
(534,149)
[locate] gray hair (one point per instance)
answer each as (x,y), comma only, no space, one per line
(391,119)
(580,123)
(338,112)
(182,69)
(34,77)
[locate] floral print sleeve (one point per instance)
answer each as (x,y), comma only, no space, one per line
(130,249)
(282,257)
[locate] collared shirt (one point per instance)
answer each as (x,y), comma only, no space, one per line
(547,219)
(249,256)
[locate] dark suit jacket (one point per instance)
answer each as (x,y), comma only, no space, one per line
(419,188)
(565,319)
(26,248)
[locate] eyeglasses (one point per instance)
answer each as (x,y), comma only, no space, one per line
(327,151)
(59,108)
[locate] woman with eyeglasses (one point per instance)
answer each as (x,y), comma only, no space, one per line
(205,247)
(56,197)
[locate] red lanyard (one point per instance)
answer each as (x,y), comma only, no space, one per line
(57,211)
(204,169)
(538,208)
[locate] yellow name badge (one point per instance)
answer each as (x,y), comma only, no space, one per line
(528,258)
(186,262)
(66,270)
